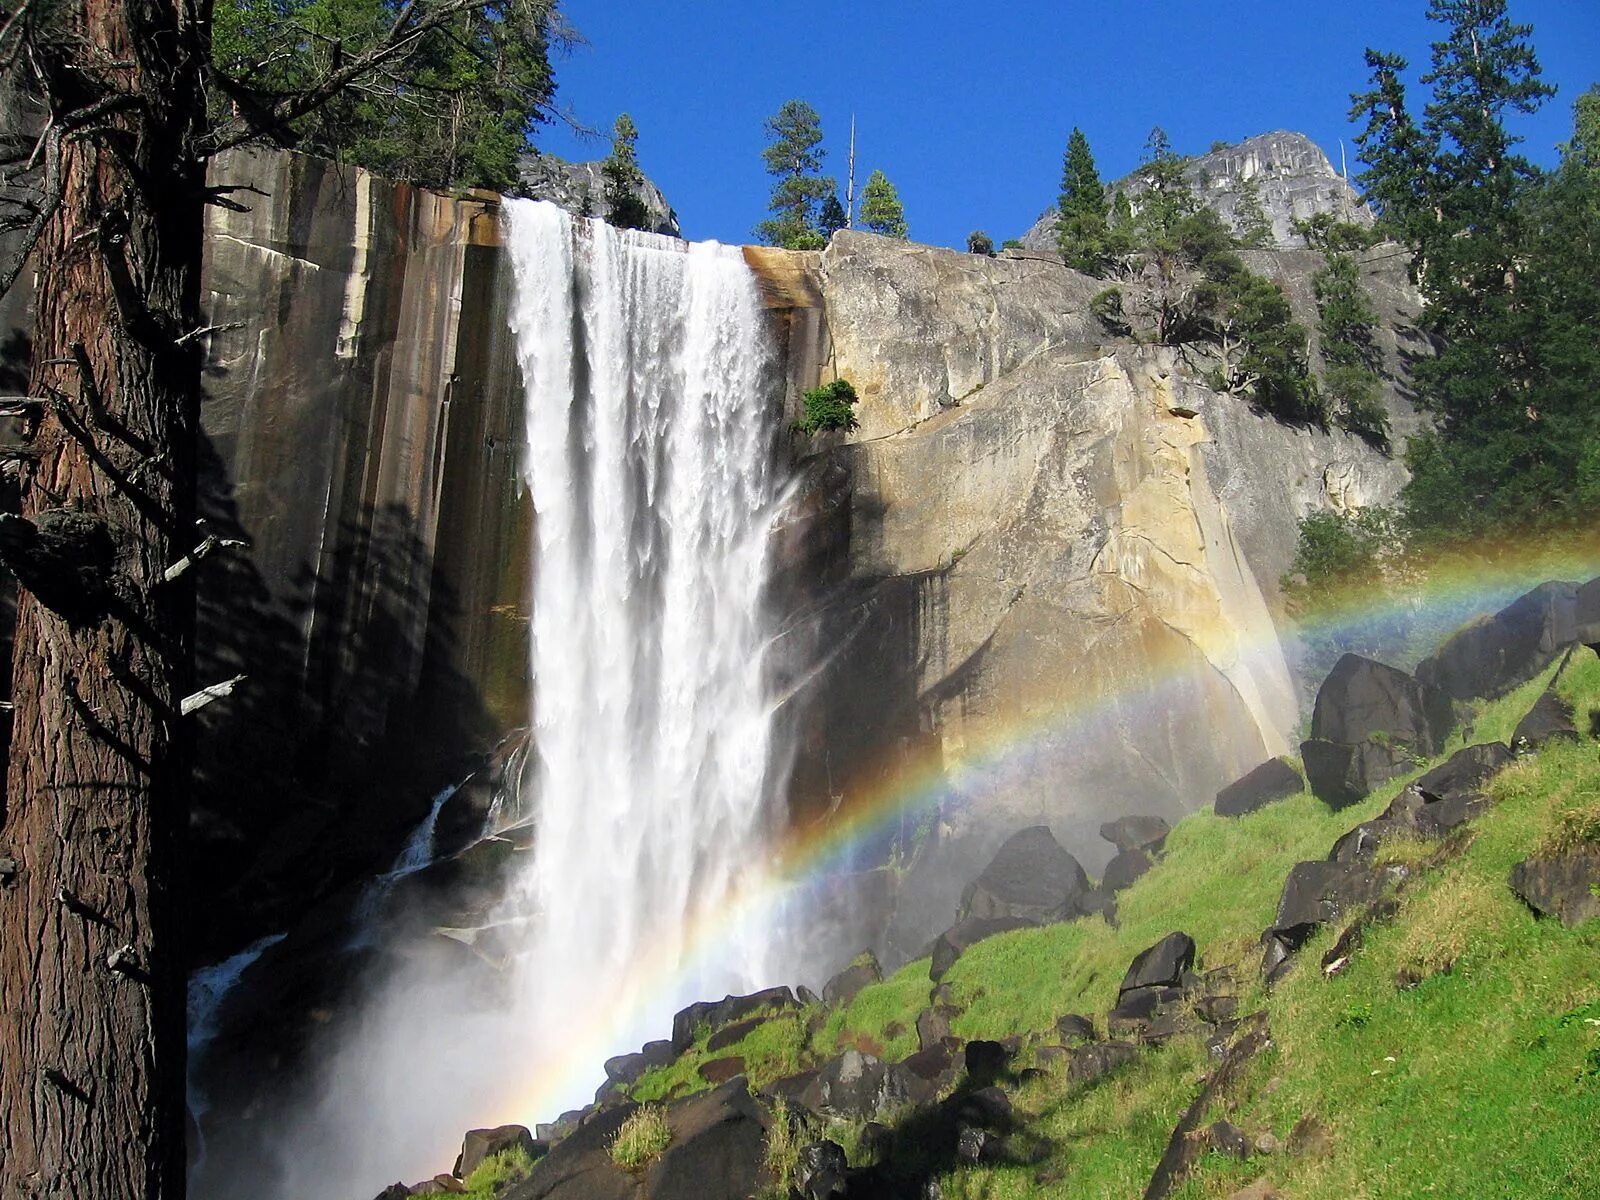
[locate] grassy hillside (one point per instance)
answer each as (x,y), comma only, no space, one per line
(1481,1079)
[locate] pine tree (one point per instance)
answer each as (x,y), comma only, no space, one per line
(881,211)
(1166,199)
(624,182)
(794,156)
(1251,225)
(1081,229)
(1350,354)
(833,217)
(979,242)
(1397,181)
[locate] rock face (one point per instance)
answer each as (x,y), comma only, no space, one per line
(580,188)
(1294,177)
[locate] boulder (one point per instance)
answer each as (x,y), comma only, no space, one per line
(1124,869)
(935,1066)
(1092,1062)
(728,1035)
(1275,779)
(842,988)
(986,1061)
(1494,654)
(1030,878)
(821,1171)
(1075,1028)
(1314,893)
(1561,887)
(1344,773)
(933,1025)
(987,1107)
(1136,833)
(1163,965)
(1549,719)
(720,1070)
(806,996)
(714,1014)
(1362,699)
(480,1144)
(857,1086)
(1098,902)
(1586,617)
(1439,818)
(953,942)
(1464,771)
(627,1068)
(395,1191)
(1229,1140)
(976,1145)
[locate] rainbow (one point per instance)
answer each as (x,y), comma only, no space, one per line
(1439,593)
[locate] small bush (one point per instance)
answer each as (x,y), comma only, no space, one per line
(497,1173)
(831,406)
(643,1136)
(1106,307)
(785,1136)
(979,242)
(1571,828)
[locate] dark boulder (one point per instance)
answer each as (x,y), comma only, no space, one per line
(806,996)
(1092,1062)
(986,1107)
(933,1025)
(1363,699)
(1439,818)
(986,1061)
(1586,617)
(1229,1140)
(1136,833)
(720,1070)
(842,988)
(935,1066)
(1494,654)
(627,1068)
(1344,773)
(857,1086)
(975,1145)
(821,1171)
(730,1035)
(1030,878)
(480,1144)
(1563,887)
(1549,719)
(1163,965)
(1314,893)
(395,1191)
(953,942)
(1075,1028)
(1464,771)
(1275,779)
(1097,902)
(714,1014)
(1124,869)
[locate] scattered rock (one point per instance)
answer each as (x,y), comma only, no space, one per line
(986,1061)
(976,1145)
(842,988)
(728,1035)
(1163,965)
(1227,1138)
(933,1025)
(955,941)
(821,1172)
(1586,623)
(1275,779)
(1075,1028)
(857,1086)
(935,1066)
(1314,893)
(1362,698)
(1464,771)
(716,1013)
(1030,878)
(806,996)
(1561,887)
(1268,1143)
(1341,773)
(1214,1010)
(480,1144)
(988,1107)
(1124,869)
(1549,718)
(395,1191)
(1092,1062)
(1136,833)
(720,1070)
(1259,1190)
(1441,817)
(1494,654)
(627,1068)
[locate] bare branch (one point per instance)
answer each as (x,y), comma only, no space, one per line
(209,545)
(198,700)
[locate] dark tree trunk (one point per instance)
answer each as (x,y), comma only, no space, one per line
(91,973)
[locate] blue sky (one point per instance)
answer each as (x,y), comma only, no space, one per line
(967,107)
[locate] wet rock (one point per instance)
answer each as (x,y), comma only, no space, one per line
(1363,698)
(842,988)
(1494,654)
(857,1086)
(1275,779)
(1124,869)
(1092,1062)
(480,1144)
(955,941)
(1136,833)
(1227,1138)
(1162,965)
(1030,878)
(1464,771)
(1561,887)
(1075,1028)
(821,1171)
(1549,719)
(714,1014)
(627,1068)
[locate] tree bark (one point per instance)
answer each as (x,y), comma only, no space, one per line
(91,971)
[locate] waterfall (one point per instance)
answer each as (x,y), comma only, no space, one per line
(649,390)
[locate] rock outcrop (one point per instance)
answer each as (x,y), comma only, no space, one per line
(1293,176)
(580,187)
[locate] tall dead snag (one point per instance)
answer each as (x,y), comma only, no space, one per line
(91,981)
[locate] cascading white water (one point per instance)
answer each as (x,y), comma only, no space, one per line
(651,464)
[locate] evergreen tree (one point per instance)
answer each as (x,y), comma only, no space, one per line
(624,182)
(1251,225)
(1352,361)
(881,211)
(794,157)
(833,216)
(1397,153)
(1082,232)
(979,242)
(1166,199)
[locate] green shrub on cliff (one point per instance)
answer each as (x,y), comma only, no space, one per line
(831,406)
